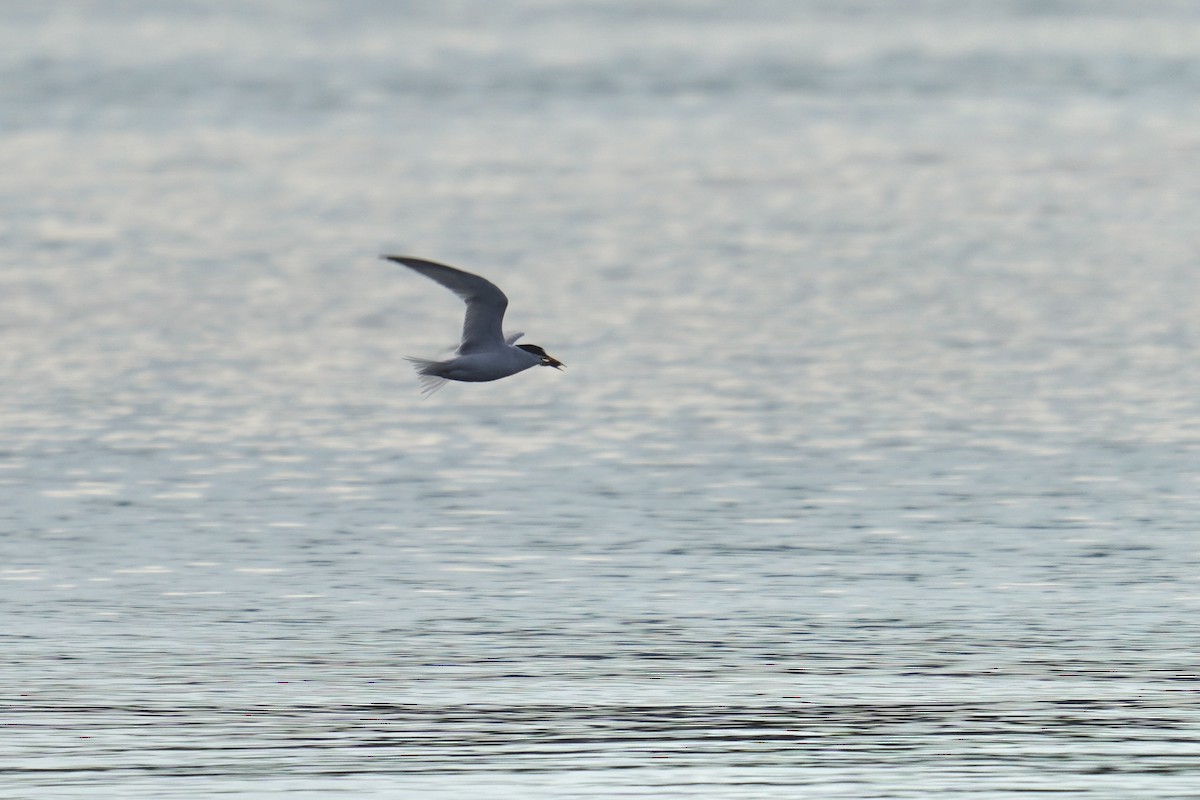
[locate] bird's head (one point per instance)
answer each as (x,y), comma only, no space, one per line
(544,358)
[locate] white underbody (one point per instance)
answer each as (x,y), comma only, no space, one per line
(490,365)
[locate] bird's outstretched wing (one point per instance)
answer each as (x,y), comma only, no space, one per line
(483,326)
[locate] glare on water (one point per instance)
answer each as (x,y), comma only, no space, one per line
(873,473)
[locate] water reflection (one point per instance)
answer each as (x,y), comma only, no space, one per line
(874,473)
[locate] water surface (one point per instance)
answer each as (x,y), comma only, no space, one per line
(873,472)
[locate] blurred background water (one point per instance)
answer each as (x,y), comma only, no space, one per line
(873,472)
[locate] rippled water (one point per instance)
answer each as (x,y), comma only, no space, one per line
(873,472)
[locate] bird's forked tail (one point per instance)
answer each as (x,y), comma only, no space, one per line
(428,374)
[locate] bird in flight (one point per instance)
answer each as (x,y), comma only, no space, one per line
(485,354)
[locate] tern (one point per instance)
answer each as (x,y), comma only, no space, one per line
(485,353)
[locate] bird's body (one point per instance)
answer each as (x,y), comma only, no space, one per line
(485,354)
(479,367)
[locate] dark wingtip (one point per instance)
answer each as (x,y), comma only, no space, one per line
(412,261)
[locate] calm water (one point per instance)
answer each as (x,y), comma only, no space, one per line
(874,472)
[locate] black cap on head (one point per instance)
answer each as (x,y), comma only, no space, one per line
(547,359)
